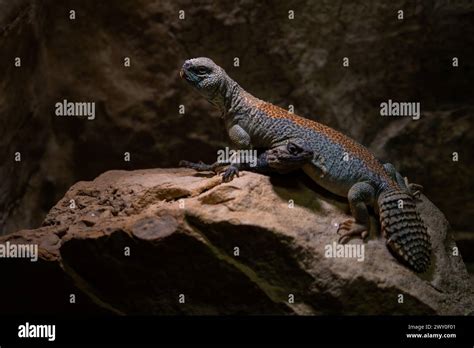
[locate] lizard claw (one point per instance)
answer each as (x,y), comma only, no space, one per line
(229,173)
(415,190)
(351,228)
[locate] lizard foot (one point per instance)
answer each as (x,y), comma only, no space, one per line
(351,228)
(415,190)
(229,173)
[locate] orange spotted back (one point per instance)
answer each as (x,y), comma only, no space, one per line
(352,147)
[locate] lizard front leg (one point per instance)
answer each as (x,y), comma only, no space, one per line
(282,158)
(239,137)
(360,195)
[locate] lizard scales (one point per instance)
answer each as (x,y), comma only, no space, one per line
(334,161)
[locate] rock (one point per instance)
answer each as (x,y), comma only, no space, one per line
(284,61)
(465,240)
(139,242)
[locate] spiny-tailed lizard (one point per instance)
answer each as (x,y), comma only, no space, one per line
(333,160)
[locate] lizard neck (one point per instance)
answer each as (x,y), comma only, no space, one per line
(234,102)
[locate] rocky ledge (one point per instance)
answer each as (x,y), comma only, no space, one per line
(173,241)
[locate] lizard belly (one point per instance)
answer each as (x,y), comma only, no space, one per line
(327,181)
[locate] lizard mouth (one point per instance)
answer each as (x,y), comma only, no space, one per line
(184,75)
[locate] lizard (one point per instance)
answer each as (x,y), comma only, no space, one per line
(333,160)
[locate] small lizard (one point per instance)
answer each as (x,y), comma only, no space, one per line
(334,161)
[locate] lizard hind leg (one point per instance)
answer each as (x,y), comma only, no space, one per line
(412,188)
(360,195)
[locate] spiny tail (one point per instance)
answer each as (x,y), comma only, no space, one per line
(406,233)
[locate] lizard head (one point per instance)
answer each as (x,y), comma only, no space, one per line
(205,76)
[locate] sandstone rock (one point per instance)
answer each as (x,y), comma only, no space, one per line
(295,62)
(133,242)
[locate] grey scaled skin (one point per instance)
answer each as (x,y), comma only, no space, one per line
(334,161)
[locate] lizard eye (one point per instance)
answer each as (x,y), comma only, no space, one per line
(293,148)
(202,70)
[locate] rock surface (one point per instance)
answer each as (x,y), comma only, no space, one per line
(132,242)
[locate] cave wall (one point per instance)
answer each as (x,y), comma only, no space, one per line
(297,62)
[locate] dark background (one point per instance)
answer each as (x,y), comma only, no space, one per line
(283,61)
